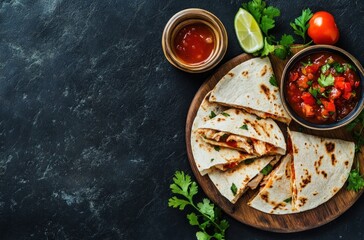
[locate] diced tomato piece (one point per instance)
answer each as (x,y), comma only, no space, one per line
(293,76)
(232,143)
(312,68)
(307,110)
(231,165)
(325,113)
(329,106)
(335,93)
(308,98)
(347,95)
(310,76)
(347,87)
(302,82)
(356,84)
(339,83)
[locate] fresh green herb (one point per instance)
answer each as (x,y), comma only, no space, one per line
(212,114)
(267,169)
(308,63)
(325,67)
(313,91)
(217,148)
(348,65)
(326,81)
(234,189)
(300,24)
(284,47)
(249,161)
(212,160)
(309,83)
(245,127)
(338,67)
(288,200)
(208,217)
(225,114)
(355,180)
(318,102)
(273,81)
(268,48)
(356,127)
(265,16)
(259,118)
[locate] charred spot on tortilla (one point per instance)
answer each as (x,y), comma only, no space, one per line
(265,197)
(303,201)
(335,190)
(324,174)
(333,160)
(265,90)
(330,147)
(264,71)
(245,73)
(314,193)
(295,149)
(305,181)
(231,74)
(346,163)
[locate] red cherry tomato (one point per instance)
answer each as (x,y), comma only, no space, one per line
(322,28)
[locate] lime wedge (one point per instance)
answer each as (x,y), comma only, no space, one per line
(248,32)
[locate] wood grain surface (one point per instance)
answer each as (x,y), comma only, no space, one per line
(323,214)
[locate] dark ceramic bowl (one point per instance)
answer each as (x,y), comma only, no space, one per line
(309,51)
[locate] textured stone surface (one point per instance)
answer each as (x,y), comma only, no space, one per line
(92,118)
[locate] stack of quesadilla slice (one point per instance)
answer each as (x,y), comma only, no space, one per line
(313,172)
(233,138)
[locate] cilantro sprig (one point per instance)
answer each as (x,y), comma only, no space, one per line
(206,216)
(355,180)
(300,24)
(266,19)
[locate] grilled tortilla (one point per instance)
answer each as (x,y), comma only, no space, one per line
(248,86)
(207,156)
(244,132)
(275,196)
(234,182)
(320,168)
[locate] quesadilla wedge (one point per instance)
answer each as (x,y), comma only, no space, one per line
(320,168)
(244,132)
(234,182)
(275,196)
(207,156)
(249,86)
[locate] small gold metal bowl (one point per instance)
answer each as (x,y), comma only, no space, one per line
(194,16)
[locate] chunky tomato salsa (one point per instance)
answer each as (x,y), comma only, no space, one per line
(323,88)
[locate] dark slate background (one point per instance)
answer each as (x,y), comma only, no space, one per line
(92,118)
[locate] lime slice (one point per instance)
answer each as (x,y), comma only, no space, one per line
(248,32)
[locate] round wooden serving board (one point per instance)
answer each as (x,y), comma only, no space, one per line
(323,214)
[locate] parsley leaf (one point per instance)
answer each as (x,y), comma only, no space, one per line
(268,48)
(234,189)
(300,24)
(245,127)
(286,40)
(266,24)
(208,217)
(313,91)
(326,81)
(325,67)
(267,169)
(212,114)
(273,81)
(355,180)
(225,114)
(338,67)
(288,200)
(249,161)
(217,148)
